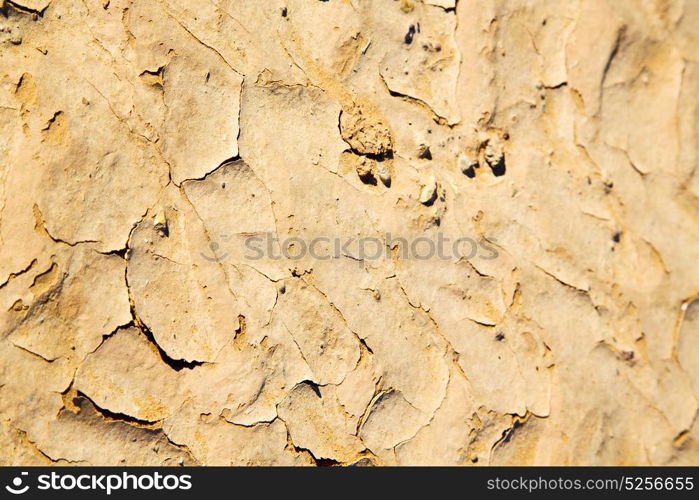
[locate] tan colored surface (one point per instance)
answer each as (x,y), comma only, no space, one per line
(142,142)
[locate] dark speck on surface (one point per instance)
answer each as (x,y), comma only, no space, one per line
(410,34)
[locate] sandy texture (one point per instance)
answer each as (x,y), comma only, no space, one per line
(145,145)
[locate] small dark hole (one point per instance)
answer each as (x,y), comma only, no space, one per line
(499,169)
(431,201)
(408,39)
(314,387)
(326,462)
(368,179)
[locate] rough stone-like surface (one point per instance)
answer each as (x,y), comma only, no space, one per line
(165,166)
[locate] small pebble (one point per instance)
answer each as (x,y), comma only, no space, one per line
(423,151)
(364,167)
(407,6)
(466,163)
(383,173)
(493,153)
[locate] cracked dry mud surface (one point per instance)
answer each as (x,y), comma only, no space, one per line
(142,143)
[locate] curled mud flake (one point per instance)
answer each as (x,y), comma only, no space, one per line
(428,193)
(160,223)
(494,155)
(152,78)
(467,164)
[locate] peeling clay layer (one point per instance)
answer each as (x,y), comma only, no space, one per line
(145,142)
